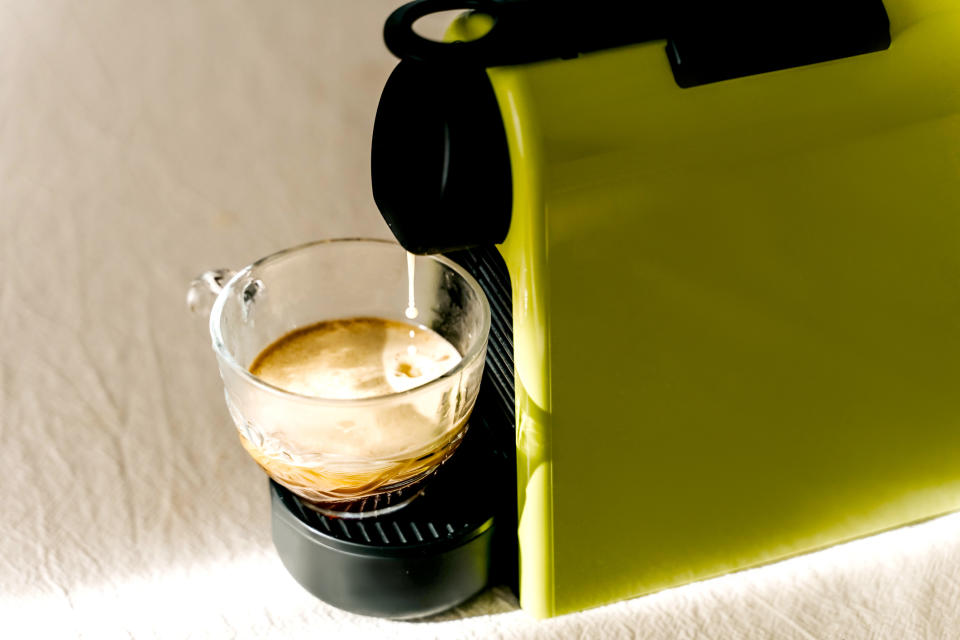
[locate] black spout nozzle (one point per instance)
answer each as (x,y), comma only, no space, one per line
(439,163)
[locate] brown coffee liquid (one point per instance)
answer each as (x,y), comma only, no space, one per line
(352,359)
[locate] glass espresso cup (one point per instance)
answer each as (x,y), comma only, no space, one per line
(346,457)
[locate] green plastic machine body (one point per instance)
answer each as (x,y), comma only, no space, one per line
(736,308)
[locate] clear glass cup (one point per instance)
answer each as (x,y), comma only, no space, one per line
(333,452)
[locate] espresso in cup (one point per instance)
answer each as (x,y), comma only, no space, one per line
(355,414)
(351,359)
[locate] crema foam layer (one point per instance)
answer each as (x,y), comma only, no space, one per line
(355,358)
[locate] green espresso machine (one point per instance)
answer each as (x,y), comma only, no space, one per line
(721,243)
(732,234)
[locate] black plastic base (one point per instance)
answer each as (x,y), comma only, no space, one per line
(402,581)
(427,557)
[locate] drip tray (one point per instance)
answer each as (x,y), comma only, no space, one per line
(422,559)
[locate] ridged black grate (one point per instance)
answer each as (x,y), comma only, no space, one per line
(408,529)
(480,478)
(486,265)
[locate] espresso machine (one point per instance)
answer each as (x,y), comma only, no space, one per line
(721,243)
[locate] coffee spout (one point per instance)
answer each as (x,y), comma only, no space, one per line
(440,166)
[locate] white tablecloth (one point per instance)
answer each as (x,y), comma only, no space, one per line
(143,142)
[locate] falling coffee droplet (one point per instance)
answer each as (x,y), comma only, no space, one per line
(411,311)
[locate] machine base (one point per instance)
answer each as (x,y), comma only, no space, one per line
(422,559)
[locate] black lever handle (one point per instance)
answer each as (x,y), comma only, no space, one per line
(525,30)
(708,40)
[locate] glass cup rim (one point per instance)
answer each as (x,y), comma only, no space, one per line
(476,349)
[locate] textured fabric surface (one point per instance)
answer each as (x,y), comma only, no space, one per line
(144,142)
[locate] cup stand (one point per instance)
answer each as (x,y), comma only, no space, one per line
(457,537)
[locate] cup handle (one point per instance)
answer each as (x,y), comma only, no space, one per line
(205,288)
